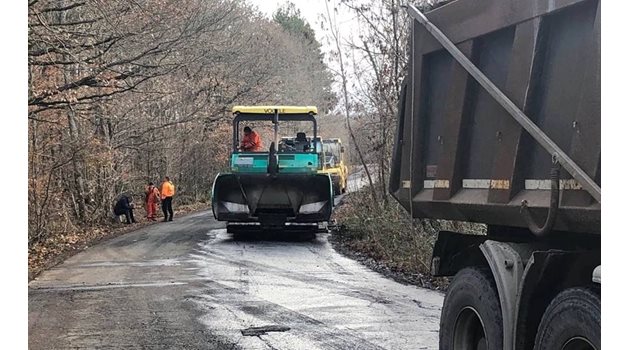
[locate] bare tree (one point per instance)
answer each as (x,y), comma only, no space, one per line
(121,93)
(334,31)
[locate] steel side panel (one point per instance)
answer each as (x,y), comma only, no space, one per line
(511,145)
(395,179)
(586,146)
(493,53)
(471,205)
(553,95)
(566,45)
(450,138)
(418,89)
(463,20)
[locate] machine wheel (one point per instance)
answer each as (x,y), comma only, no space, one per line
(471,314)
(572,321)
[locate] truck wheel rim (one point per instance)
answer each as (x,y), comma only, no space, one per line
(470,333)
(578,343)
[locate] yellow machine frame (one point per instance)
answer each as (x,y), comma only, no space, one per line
(271,109)
(339,172)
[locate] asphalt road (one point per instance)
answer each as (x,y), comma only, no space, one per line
(187,284)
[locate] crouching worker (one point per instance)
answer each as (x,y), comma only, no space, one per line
(124,206)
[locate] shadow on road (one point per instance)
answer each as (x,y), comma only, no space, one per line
(274,236)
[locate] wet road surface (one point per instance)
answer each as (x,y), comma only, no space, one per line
(188,284)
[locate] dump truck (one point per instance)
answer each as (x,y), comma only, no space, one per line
(499,124)
(333,163)
(279,188)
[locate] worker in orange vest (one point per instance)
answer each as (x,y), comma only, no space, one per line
(152,198)
(251,141)
(167,192)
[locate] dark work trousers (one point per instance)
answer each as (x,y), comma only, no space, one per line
(167,208)
(129,216)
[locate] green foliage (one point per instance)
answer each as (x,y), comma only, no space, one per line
(312,68)
(291,20)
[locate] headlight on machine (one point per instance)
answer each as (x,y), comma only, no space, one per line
(235,207)
(312,207)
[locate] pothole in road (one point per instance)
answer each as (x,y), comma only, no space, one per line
(256,331)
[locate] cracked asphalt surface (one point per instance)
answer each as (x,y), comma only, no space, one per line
(187,284)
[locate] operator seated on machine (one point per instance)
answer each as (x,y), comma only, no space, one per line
(251,141)
(302,144)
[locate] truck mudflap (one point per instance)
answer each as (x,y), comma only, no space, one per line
(272,200)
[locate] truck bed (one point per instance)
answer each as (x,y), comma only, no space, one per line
(459,155)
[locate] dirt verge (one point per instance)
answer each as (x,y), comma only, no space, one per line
(351,249)
(382,237)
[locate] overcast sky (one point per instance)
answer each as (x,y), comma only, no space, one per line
(312,11)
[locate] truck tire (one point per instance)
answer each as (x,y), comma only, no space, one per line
(572,321)
(471,315)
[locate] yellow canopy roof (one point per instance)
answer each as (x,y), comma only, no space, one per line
(271,109)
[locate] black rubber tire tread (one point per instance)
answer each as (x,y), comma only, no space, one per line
(573,312)
(472,287)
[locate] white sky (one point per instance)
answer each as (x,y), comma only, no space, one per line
(312,10)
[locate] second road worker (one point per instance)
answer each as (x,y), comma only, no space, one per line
(151,199)
(167,192)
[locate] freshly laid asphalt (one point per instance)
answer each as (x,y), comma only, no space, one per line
(188,284)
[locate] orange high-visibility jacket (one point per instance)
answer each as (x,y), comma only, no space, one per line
(251,142)
(168,189)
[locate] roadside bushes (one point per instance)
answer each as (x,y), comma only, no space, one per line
(385,232)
